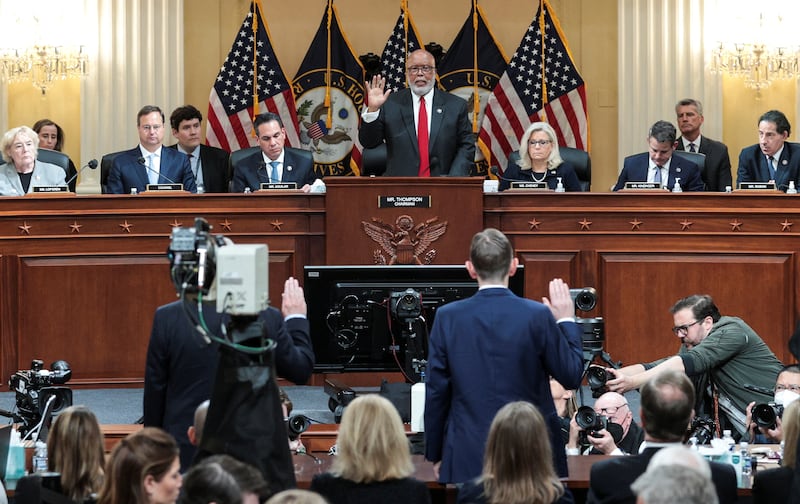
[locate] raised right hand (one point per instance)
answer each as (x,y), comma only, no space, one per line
(376,96)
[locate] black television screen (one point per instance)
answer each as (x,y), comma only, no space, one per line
(377,318)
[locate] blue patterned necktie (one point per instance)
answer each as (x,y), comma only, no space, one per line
(657,178)
(273,178)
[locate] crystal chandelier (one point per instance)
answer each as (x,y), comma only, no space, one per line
(43,64)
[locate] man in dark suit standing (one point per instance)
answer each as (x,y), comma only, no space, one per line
(717,171)
(666,410)
(395,119)
(658,165)
(274,163)
(491,349)
(148,162)
(209,164)
(772,158)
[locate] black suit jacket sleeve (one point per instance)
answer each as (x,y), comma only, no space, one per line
(294,355)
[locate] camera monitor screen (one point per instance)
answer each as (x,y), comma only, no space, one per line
(377,318)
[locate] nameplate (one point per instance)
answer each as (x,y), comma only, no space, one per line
(271,186)
(538,186)
(50,189)
(643,185)
(404,201)
(758,186)
(164,187)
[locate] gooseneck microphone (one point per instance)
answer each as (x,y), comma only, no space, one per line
(142,162)
(263,166)
(91,164)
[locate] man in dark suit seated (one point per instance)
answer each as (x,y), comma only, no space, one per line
(445,130)
(772,158)
(209,164)
(658,165)
(717,171)
(148,162)
(666,410)
(274,163)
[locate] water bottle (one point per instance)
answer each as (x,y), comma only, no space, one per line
(560,186)
(15,465)
(677,186)
(746,480)
(792,189)
(39,460)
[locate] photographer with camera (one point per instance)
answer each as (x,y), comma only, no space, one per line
(718,353)
(764,419)
(607,428)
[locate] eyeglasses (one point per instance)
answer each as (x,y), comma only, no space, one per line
(683,329)
(421,69)
(152,127)
(611,410)
(540,143)
(793,388)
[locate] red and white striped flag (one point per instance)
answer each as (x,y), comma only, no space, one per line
(237,96)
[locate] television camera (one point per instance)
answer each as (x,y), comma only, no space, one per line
(594,337)
(34,388)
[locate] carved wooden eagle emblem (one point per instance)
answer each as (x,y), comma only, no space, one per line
(404,242)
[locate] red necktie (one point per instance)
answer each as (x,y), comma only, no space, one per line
(422,140)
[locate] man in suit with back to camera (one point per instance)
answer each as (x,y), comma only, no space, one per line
(491,349)
(209,164)
(658,165)
(666,410)
(149,162)
(772,158)
(274,163)
(717,171)
(394,118)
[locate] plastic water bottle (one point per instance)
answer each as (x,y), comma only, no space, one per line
(560,186)
(746,480)
(729,442)
(792,189)
(677,186)
(39,460)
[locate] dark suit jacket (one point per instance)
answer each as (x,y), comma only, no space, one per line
(214,162)
(610,480)
(298,167)
(484,352)
(635,169)
(127,172)
(753,166)
(717,171)
(451,144)
(180,367)
(773,485)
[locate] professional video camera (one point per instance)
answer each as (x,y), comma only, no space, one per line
(701,429)
(766,415)
(34,388)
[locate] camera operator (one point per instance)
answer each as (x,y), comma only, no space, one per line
(787,390)
(627,436)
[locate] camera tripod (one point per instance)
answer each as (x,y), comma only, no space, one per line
(592,354)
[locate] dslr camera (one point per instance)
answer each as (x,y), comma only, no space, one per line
(406,305)
(702,429)
(590,423)
(597,377)
(766,415)
(585,299)
(33,387)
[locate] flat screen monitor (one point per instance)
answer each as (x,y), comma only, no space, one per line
(377,318)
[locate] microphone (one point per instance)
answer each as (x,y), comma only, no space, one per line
(266,173)
(91,164)
(141,162)
(496,172)
(759,389)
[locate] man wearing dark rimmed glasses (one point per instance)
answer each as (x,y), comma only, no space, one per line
(720,355)
(427,131)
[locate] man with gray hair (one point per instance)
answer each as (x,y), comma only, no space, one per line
(717,171)
(658,165)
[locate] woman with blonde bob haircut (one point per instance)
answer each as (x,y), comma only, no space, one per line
(517,465)
(373,462)
(540,161)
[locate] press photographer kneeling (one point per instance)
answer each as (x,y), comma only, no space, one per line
(606,428)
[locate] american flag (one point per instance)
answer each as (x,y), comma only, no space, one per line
(231,104)
(540,84)
(393,58)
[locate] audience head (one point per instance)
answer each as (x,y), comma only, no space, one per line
(661,142)
(491,257)
(674,484)
(20,146)
(185,122)
(517,465)
(564,400)
(773,130)
(75,449)
(143,468)
(195,431)
(271,134)
(150,123)
(372,444)
(790,423)
(694,316)
(615,407)
(667,402)
(420,72)
(296,496)
(539,143)
(690,117)
(51,136)
(223,479)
